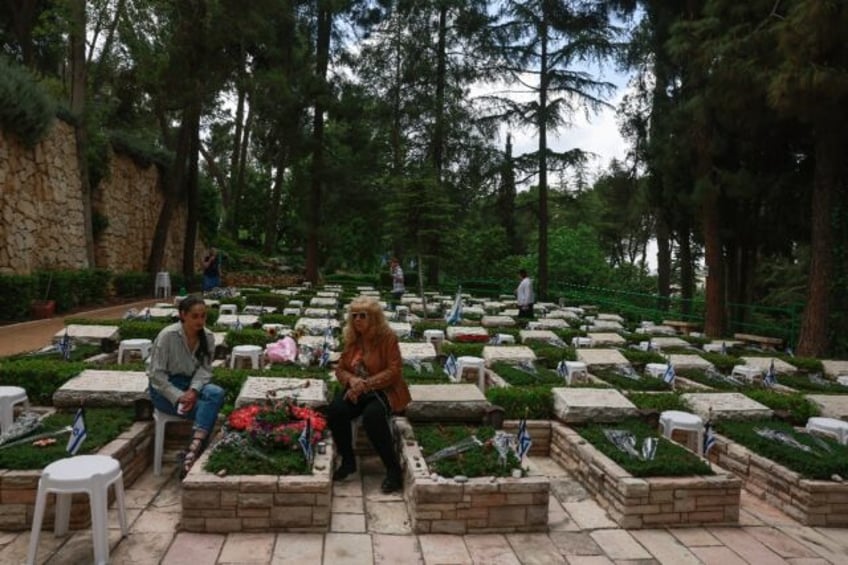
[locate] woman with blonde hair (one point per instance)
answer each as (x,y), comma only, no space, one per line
(370,370)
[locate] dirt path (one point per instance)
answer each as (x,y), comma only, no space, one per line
(35,334)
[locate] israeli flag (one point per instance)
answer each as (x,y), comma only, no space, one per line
(78,433)
(450,367)
(147,315)
(384,260)
(771,376)
(523,441)
(709,437)
(65,346)
(305,440)
(455,314)
(495,340)
(325,357)
(669,376)
(561,370)
(723,348)
(238,326)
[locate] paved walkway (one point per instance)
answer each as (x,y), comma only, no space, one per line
(369,527)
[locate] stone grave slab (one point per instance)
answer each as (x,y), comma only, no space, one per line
(316,341)
(606,325)
(401,329)
(259,309)
(610,318)
(831,405)
(473,312)
(834,367)
(493,307)
(537,335)
(715,346)
(316,326)
(102,388)
(574,405)
(666,342)
(363,288)
(781,367)
(291,311)
(327,294)
(508,354)
(80,333)
(312,392)
(451,402)
(323,302)
(725,406)
(511,312)
(372,293)
(497,322)
(454,332)
(418,308)
(657,330)
(417,351)
(284,291)
(313,312)
(605,339)
(160,312)
(563,314)
(601,357)
(230,320)
(684,361)
(548,324)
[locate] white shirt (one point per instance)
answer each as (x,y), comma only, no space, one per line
(524,292)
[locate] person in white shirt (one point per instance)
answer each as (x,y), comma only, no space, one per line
(397,283)
(524,295)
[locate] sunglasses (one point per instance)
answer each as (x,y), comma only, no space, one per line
(360,315)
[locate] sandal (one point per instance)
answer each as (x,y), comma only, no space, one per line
(189,457)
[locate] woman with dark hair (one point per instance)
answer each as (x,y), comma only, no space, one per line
(180,373)
(370,371)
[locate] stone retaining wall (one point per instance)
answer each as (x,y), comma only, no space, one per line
(18,489)
(480,505)
(646,502)
(811,502)
(258,503)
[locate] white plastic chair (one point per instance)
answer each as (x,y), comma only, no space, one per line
(163,283)
(91,474)
(671,420)
(9,396)
(656,370)
(141,345)
(471,362)
(252,352)
(832,427)
(575,369)
(228,309)
(160,420)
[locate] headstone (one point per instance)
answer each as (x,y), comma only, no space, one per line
(496,321)
(102,388)
(95,335)
(781,367)
(833,367)
(603,339)
(417,351)
(230,320)
(831,405)
(455,332)
(595,358)
(573,405)
(323,302)
(666,342)
(315,326)
(725,406)
(537,335)
(680,361)
(446,402)
(548,324)
(611,318)
(311,392)
(508,354)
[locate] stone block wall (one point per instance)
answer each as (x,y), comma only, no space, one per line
(18,489)
(42,213)
(811,502)
(647,502)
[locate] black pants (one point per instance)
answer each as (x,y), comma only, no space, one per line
(525,311)
(375,412)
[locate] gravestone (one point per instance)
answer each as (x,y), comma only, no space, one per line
(94,335)
(834,368)
(602,339)
(417,351)
(230,320)
(508,354)
(831,405)
(584,405)
(666,342)
(446,402)
(496,321)
(537,335)
(725,406)
(781,367)
(454,332)
(102,388)
(311,392)
(681,361)
(595,358)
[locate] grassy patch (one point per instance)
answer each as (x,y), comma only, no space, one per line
(644,383)
(793,407)
(481,461)
(700,376)
(816,464)
(519,377)
(102,426)
(237,462)
(803,382)
(532,402)
(659,401)
(671,459)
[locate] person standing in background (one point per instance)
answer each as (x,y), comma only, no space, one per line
(211,270)
(524,295)
(398,287)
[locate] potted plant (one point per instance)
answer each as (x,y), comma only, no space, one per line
(43,309)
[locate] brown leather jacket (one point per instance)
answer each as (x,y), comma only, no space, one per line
(384,367)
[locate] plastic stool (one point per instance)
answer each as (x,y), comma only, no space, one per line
(160,420)
(228,309)
(575,369)
(671,420)
(9,396)
(656,370)
(141,345)
(581,342)
(436,337)
(749,374)
(91,474)
(470,362)
(829,426)
(163,283)
(506,338)
(252,352)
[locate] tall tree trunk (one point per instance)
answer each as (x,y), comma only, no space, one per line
(687,270)
(322,58)
(192,197)
(238,184)
(663,259)
(106,51)
(714,324)
(814,339)
(543,157)
(24,17)
(78,95)
(273,212)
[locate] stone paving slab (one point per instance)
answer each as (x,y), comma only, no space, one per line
(457,402)
(323,302)
(834,367)
(417,351)
(781,367)
(453,332)
(686,361)
(94,334)
(605,326)
(611,318)
(601,357)
(725,406)
(606,339)
(563,315)
(537,335)
(312,392)
(259,309)
(497,321)
(508,354)
(102,388)
(657,330)
(831,405)
(577,405)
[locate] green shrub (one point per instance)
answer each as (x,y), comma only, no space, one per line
(102,426)
(276,318)
(549,356)
(659,401)
(723,363)
(619,381)
(73,288)
(480,461)
(247,336)
(41,377)
(639,358)
(26,109)
(140,329)
(275,462)
(463,349)
(671,460)
(436,376)
(802,382)
(133,284)
(517,377)
(804,364)
(270,299)
(796,407)
(702,377)
(18,292)
(534,403)
(818,463)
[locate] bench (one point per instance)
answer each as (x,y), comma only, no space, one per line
(683,327)
(767,342)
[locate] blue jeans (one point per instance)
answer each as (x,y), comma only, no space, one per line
(205,411)
(210,282)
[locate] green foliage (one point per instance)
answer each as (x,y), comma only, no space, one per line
(803,383)
(550,355)
(267,299)
(702,377)
(534,403)
(247,336)
(102,426)
(794,407)
(723,363)
(644,383)
(73,288)
(463,349)
(640,358)
(139,329)
(818,464)
(517,377)
(480,461)
(41,377)
(26,110)
(18,292)
(671,460)
(804,364)
(133,284)
(659,401)
(142,150)
(237,461)
(231,380)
